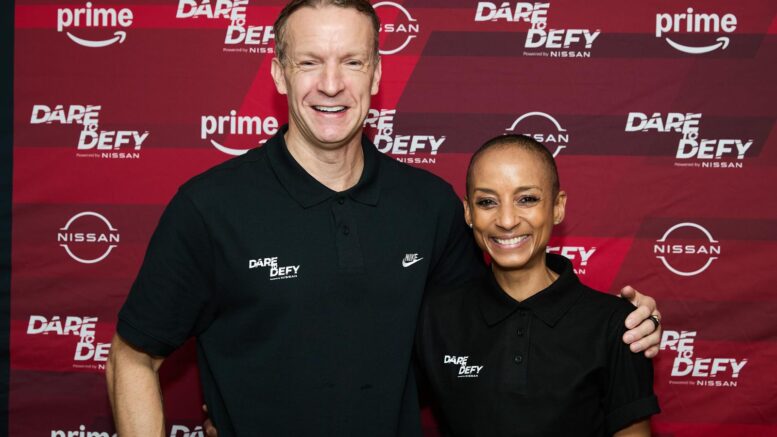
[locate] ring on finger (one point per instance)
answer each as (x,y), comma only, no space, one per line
(656,321)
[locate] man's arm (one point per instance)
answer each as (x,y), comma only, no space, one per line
(134,391)
(643,334)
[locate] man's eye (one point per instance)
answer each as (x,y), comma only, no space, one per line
(355,64)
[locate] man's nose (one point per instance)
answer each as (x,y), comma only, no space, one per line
(331,82)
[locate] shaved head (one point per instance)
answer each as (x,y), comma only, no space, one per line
(522,142)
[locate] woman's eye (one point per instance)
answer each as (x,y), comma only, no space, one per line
(528,200)
(484,203)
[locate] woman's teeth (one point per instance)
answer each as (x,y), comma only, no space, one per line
(509,241)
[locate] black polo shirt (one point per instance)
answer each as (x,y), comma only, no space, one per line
(303,300)
(552,365)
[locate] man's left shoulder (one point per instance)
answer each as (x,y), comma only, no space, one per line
(406,178)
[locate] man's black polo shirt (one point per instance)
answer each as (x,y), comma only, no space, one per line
(303,300)
(552,365)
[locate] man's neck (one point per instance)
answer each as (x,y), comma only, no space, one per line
(338,169)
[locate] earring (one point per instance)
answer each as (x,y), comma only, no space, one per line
(470,225)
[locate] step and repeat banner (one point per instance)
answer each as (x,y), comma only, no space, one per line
(660,113)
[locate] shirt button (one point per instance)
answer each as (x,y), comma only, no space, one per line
(519,331)
(518,359)
(341,200)
(346,230)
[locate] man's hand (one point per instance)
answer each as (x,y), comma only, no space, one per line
(207,426)
(643,335)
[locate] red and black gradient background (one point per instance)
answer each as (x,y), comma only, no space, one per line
(458,78)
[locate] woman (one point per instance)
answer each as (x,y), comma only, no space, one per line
(527,349)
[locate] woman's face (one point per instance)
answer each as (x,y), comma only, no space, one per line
(511,207)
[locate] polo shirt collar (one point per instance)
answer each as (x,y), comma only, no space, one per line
(306,190)
(549,305)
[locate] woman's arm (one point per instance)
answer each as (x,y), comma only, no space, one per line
(638,429)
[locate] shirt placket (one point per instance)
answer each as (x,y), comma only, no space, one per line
(349,251)
(519,358)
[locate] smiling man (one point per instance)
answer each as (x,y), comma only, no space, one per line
(300,266)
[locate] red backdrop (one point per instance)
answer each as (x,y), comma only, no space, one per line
(660,113)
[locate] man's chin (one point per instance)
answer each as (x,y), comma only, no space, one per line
(336,140)
(327,136)
(334,146)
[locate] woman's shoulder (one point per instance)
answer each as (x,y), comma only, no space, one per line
(453,294)
(603,305)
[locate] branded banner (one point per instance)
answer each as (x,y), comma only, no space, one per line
(660,114)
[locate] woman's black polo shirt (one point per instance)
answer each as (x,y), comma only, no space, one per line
(303,300)
(552,365)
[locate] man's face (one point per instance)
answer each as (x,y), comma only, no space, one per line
(329,74)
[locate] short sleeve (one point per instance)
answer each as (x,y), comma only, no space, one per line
(458,259)
(630,396)
(167,302)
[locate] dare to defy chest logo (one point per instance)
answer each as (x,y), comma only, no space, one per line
(464,370)
(274,270)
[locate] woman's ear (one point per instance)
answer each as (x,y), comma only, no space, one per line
(559,207)
(467,213)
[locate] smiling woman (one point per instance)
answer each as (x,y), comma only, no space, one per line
(513,201)
(527,349)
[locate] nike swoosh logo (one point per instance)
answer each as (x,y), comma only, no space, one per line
(410,263)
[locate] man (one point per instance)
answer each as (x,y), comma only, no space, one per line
(300,266)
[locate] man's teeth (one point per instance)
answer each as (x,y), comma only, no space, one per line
(514,240)
(329,108)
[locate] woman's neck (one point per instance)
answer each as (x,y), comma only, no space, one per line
(525,282)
